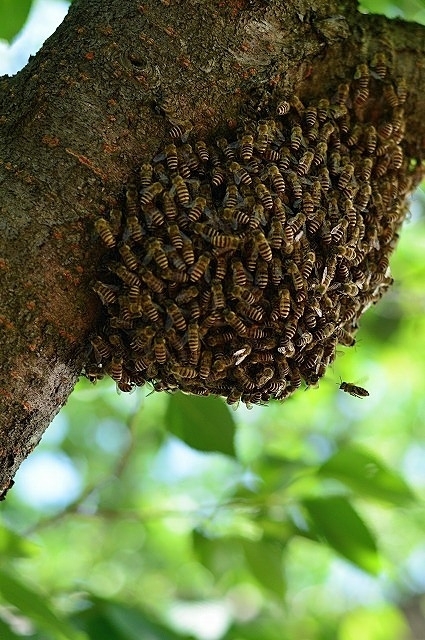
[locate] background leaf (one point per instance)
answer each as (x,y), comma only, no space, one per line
(203,423)
(13,15)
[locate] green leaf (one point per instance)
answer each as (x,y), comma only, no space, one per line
(365,474)
(33,605)
(264,559)
(13,15)
(14,546)
(203,423)
(337,522)
(6,632)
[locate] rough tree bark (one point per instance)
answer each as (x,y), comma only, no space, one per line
(84,113)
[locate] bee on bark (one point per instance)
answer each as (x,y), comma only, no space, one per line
(129,259)
(202,150)
(107,294)
(296,138)
(132,199)
(283,108)
(104,229)
(310,115)
(262,137)
(115,220)
(227,149)
(343,93)
(353,390)
(380,64)
(362,76)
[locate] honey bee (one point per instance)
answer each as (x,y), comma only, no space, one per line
(104,229)
(183,371)
(251,296)
(396,157)
(231,197)
(296,222)
(252,313)
(234,321)
(187,251)
(379,63)
(353,390)
(107,294)
(297,105)
(135,229)
(275,236)
(262,245)
(296,185)
(247,147)
(305,163)
(130,260)
(198,207)
(193,337)
(218,176)
(238,273)
(362,76)
(205,364)
(264,377)
(283,108)
(145,174)
(186,295)
(221,267)
(179,185)
(200,267)
(217,295)
(154,283)
(225,242)
(343,93)
(319,156)
(101,348)
(322,109)
(234,396)
(310,116)
(115,219)
(297,278)
(132,199)
(257,217)
(345,175)
(202,150)
(276,180)
(226,148)
(296,138)
(324,178)
(242,353)
(363,196)
(284,159)
(150,193)
(240,175)
(262,137)
(176,315)
(261,274)
(235,216)
(148,307)
(115,368)
(326,131)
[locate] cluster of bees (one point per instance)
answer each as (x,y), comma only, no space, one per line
(237,266)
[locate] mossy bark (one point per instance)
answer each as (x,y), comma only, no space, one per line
(94,104)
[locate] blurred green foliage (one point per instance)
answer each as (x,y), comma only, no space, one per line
(163,517)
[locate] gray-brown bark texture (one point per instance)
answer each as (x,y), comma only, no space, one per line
(94,104)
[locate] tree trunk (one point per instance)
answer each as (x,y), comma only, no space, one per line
(90,107)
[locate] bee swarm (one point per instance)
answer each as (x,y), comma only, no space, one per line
(236,268)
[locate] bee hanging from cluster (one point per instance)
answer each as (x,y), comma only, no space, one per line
(235,267)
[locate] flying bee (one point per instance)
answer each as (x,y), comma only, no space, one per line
(104,229)
(322,109)
(283,108)
(107,294)
(240,175)
(234,321)
(154,283)
(150,193)
(296,138)
(200,266)
(353,390)
(129,259)
(183,195)
(276,180)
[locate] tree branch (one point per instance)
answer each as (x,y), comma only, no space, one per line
(89,108)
